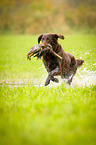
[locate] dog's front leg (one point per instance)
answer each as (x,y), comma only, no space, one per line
(51,76)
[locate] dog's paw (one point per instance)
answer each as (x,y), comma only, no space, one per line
(47,83)
(69,82)
(55,80)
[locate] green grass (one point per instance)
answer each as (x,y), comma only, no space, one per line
(45,115)
(37,115)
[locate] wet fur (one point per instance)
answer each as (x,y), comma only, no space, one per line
(66,67)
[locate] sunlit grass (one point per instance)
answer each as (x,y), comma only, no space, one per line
(45,115)
(38,115)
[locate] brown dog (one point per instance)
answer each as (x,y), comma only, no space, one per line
(65,67)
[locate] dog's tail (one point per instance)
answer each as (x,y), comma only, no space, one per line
(79,62)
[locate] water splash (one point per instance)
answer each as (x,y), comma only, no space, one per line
(85,78)
(81,79)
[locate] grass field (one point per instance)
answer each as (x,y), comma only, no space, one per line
(35,115)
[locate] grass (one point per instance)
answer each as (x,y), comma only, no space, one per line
(36,115)
(45,115)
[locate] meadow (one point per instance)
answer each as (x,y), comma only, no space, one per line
(36,115)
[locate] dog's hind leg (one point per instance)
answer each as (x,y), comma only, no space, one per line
(70,80)
(73,70)
(71,76)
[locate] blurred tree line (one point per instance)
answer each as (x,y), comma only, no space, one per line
(41,16)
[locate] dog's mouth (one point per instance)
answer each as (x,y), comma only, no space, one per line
(39,50)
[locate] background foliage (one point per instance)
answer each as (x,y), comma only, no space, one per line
(40,16)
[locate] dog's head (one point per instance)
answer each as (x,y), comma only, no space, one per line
(49,38)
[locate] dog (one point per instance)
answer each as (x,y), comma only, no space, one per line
(65,67)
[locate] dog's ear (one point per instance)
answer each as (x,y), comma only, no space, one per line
(39,38)
(58,36)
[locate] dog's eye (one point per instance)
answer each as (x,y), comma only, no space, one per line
(42,38)
(47,38)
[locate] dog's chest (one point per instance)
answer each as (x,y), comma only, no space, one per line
(50,61)
(48,57)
